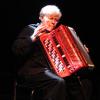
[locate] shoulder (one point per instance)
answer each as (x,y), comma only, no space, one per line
(33,26)
(27,30)
(70,28)
(30,27)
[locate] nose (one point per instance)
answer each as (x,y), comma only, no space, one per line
(54,22)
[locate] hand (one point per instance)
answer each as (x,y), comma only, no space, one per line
(38,31)
(87,49)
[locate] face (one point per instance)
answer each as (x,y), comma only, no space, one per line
(50,21)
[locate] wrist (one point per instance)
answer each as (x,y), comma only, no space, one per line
(33,38)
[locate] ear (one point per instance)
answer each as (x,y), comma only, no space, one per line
(41,17)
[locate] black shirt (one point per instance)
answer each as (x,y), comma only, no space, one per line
(30,54)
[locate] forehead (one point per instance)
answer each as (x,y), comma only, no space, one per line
(56,16)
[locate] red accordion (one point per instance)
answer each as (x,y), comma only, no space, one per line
(65,51)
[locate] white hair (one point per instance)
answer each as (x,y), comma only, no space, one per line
(49,10)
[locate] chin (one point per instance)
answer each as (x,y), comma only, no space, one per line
(50,29)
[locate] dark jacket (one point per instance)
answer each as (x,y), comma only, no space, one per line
(30,55)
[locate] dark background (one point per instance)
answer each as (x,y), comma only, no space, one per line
(81,15)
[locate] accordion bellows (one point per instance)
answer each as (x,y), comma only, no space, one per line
(65,51)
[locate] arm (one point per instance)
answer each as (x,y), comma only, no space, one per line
(23,44)
(72,30)
(38,31)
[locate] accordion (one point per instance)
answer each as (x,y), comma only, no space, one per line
(65,51)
